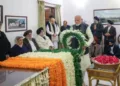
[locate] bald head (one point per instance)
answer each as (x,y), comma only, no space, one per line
(78,19)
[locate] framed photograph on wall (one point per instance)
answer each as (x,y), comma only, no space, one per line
(108,14)
(1,14)
(15,23)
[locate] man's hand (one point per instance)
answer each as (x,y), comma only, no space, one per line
(51,48)
(7,56)
(94,42)
(70,41)
(95,27)
(54,35)
(96,45)
(107,34)
(62,45)
(84,47)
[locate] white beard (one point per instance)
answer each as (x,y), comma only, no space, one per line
(77,24)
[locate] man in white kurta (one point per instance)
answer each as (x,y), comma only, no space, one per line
(42,40)
(53,31)
(85,29)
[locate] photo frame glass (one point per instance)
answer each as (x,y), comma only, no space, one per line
(108,14)
(1,14)
(15,23)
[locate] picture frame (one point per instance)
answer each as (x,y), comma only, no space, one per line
(118,39)
(1,14)
(108,14)
(15,23)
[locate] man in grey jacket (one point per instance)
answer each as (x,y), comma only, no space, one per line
(85,29)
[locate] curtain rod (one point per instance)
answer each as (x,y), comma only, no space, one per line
(51,3)
(48,2)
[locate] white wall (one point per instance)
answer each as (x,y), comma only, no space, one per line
(85,9)
(69,8)
(23,8)
(20,8)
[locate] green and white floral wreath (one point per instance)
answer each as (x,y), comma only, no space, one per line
(66,36)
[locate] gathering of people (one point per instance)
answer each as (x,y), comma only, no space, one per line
(104,37)
(99,40)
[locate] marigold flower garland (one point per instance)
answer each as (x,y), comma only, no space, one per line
(76,61)
(66,58)
(56,67)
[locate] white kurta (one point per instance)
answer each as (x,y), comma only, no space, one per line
(57,31)
(43,43)
(85,59)
(32,45)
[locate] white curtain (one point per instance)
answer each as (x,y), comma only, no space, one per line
(58,14)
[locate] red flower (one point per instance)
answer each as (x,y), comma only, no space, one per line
(106,59)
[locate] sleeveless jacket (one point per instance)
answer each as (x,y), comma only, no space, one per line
(48,23)
(82,27)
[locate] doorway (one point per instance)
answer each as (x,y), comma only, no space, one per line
(48,12)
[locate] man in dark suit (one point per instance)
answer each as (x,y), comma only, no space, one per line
(65,26)
(4,46)
(113,49)
(119,41)
(97,31)
(30,42)
(109,33)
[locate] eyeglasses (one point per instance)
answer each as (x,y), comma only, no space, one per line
(77,20)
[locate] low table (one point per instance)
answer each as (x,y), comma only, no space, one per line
(17,77)
(111,76)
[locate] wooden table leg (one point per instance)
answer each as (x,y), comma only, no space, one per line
(114,84)
(118,80)
(90,81)
(97,82)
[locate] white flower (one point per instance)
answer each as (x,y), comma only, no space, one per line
(66,58)
(77,32)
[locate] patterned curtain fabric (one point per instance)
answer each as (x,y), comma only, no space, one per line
(41,14)
(58,14)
